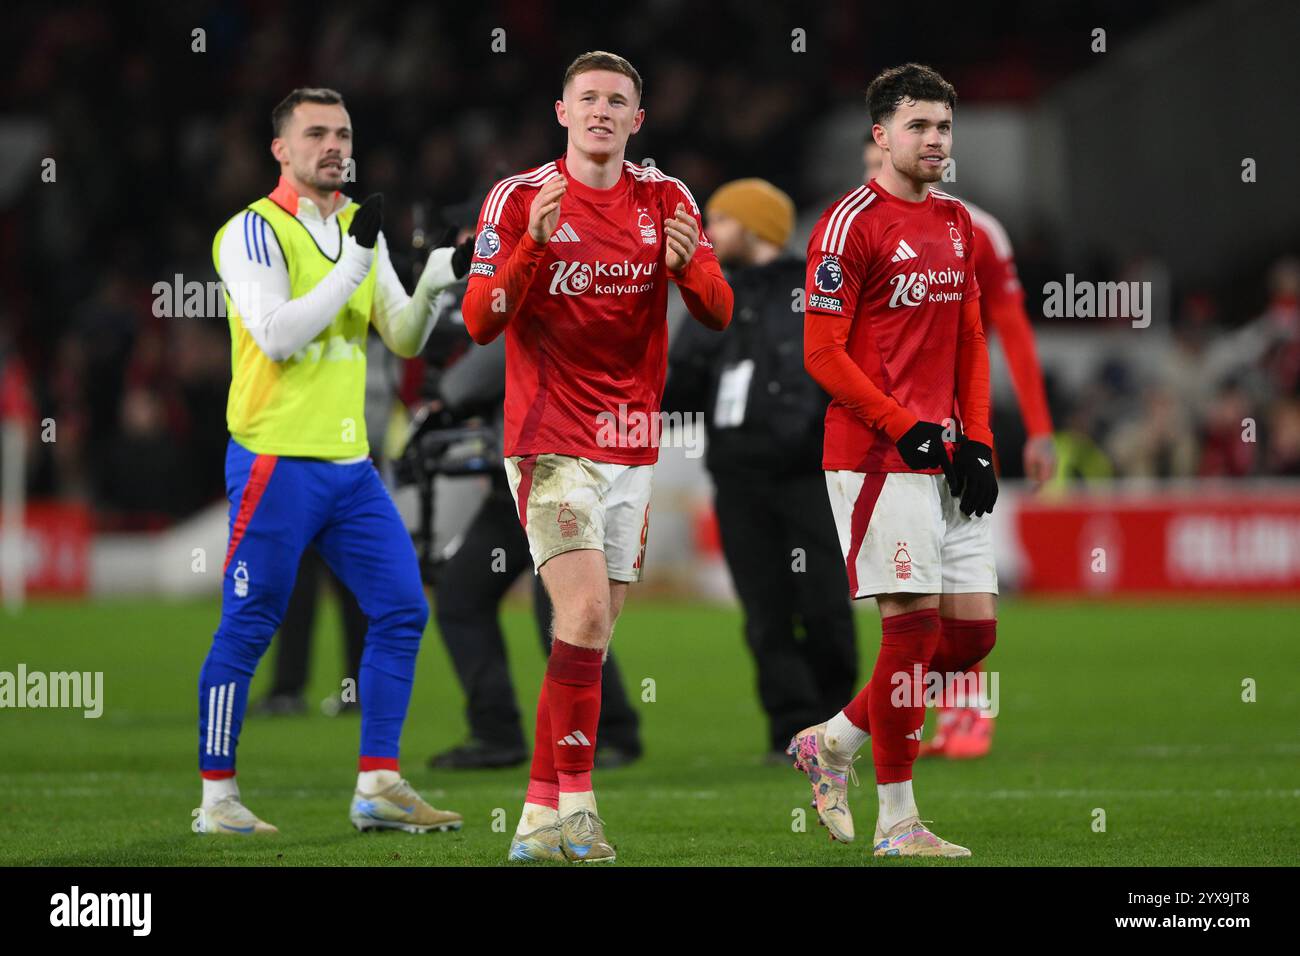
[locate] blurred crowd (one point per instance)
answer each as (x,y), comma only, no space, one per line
(1204,399)
(157,143)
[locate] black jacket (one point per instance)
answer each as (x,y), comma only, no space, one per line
(781,431)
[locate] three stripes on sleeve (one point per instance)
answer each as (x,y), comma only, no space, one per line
(255,240)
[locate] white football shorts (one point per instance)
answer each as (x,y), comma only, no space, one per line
(904,532)
(570,504)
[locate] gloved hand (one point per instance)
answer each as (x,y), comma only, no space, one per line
(976,482)
(922,447)
(460,259)
(461,254)
(367,222)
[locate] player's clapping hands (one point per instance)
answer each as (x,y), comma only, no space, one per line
(544,214)
(682,234)
(367,222)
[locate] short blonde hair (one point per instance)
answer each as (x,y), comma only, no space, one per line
(601,60)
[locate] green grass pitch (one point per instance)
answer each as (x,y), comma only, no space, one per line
(1132,708)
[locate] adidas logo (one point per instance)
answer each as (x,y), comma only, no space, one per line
(924,446)
(916,734)
(982,462)
(575,739)
(903,252)
(565,234)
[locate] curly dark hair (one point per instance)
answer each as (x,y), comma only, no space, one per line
(911,81)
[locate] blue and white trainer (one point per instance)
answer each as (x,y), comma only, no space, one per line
(399,807)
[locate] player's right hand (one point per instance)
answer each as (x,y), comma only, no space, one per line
(544,215)
(367,222)
(922,447)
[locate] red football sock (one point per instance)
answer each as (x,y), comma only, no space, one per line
(573,691)
(963,644)
(906,643)
(543,785)
(966,692)
(858,711)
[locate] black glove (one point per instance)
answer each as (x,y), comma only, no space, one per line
(977,483)
(922,447)
(461,257)
(463,253)
(367,222)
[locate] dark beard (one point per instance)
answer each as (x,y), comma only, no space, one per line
(317,181)
(921,175)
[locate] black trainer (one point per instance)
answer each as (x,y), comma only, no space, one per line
(279,705)
(476,754)
(612,756)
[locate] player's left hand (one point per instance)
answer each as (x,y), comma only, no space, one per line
(973,462)
(682,235)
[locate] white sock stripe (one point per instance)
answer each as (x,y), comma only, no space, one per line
(574,739)
(212,706)
(230,709)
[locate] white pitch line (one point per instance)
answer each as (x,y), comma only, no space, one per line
(1155,794)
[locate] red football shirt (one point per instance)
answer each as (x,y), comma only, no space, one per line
(1002,307)
(995,262)
(586,326)
(897,273)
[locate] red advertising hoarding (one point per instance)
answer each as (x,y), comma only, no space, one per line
(1183,540)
